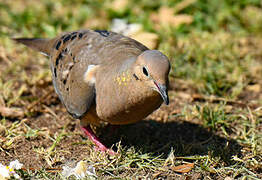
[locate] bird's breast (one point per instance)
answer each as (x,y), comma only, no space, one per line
(127,101)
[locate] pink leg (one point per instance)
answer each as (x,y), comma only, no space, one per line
(88,131)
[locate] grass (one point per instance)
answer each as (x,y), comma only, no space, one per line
(213,120)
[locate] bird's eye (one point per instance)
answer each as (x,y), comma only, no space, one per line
(145,71)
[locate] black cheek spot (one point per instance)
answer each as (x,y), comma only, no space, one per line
(55,72)
(66,38)
(135,76)
(67,89)
(58,45)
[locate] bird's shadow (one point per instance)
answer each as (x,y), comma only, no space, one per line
(185,138)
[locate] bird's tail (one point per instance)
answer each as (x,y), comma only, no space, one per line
(39,44)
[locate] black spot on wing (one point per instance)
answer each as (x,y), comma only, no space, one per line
(66,38)
(58,45)
(55,72)
(71,67)
(80,35)
(58,58)
(64,81)
(103,33)
(73,37)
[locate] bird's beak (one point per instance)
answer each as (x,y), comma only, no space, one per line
(162,90)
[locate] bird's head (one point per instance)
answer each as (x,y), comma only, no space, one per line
(152,67)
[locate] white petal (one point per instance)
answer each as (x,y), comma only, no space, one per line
(67,171)
(4,172)
(15,164)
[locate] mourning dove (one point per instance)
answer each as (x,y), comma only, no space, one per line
(103,76)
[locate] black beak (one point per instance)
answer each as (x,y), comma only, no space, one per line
(163,92)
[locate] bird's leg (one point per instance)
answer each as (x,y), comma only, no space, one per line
(91,135)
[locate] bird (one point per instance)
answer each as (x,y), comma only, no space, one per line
(104,77)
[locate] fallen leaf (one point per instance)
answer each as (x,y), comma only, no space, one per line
(118,5)
(184,168)
(165,17)
(150,40)
(11,112)
(255,88)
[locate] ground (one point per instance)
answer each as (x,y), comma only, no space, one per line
(213,119)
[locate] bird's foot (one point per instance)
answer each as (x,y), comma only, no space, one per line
(99,146)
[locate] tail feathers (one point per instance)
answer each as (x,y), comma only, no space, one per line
(42,45)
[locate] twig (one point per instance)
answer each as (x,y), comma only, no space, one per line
(50,170)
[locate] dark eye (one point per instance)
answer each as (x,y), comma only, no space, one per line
(145,71)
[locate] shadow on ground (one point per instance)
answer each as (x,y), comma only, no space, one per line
(186,139)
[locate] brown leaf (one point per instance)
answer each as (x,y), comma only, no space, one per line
(118,5)
(148,39)
(255,88)
(184,168)
(11,112)
(165,17)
